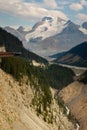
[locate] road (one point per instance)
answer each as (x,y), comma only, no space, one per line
(73,67)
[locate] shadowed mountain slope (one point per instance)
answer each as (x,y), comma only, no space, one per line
(76,56)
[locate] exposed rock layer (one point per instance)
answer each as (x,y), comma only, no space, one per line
(75,96)
(15,110)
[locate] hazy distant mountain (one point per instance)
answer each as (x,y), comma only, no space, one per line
(14,32)
(76,56)
(23,30)
(19,33)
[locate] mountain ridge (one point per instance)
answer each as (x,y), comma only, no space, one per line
(76,56)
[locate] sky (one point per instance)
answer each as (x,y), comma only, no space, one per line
(27,12)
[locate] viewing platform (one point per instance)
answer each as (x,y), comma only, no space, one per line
(9,54)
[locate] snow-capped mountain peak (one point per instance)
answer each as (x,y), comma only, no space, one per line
(45,28)
(20,29)
(51,35)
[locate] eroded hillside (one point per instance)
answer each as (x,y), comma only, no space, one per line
(16,112)
(75,97)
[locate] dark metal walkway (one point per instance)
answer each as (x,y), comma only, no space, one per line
(9,54)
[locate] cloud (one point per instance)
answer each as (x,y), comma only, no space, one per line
(83,2)
(52,4)
(76,6)
(81,18)
(30,10)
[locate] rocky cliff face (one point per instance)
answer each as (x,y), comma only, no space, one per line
(16,112)
(75,97)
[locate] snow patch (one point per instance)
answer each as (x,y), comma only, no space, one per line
(68,111)
(37,64)
(47,28)
(83,30)
(78,127)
